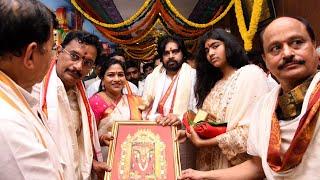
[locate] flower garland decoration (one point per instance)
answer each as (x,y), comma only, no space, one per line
(147,20)
(132,40)
(117,25)
(197,25)
(247,35)
(138,48)
(144,56)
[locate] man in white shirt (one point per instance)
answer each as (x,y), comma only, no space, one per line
(133,75)
(169,90)
(63,100)
(27,148)
(285,133)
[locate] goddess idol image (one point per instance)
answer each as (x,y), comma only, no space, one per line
(143,157)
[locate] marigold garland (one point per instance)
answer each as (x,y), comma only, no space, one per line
(138,48)
(117,25)
(247,35)
(146,21)
(145,56)
(197,25)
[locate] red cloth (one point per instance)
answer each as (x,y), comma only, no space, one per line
(203,128)
(206,130)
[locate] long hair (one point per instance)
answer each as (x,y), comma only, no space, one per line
(207,74)
(109,62)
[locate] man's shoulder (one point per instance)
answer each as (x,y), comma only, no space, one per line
(10,115)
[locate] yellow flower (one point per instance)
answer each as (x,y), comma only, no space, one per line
(247,35)
(117,25)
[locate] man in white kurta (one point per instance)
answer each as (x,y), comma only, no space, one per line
(302,71)
(63,99)
(169,91)
(259,136)
(284,134)
(27,149)
(69,124)
(158,82)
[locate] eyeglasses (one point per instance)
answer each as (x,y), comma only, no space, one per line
(89,64)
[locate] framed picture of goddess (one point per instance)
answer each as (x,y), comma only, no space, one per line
(143,150)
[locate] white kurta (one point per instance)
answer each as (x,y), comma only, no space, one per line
(27,149)
(259,134)
(68,123)
(157,83)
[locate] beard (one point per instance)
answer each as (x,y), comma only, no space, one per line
(172,65)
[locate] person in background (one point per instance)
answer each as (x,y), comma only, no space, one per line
(132,72)
(192,61)
(133,75)
(93,77)
(148,68)
(27,149)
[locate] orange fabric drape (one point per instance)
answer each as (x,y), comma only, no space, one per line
(303,135)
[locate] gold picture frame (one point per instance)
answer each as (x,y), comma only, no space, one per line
(143,150)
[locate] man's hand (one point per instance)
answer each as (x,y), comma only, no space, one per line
(181,136)
(191,174)
(100,168)
(169,120)
(105,139)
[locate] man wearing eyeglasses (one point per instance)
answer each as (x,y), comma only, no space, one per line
(63,99)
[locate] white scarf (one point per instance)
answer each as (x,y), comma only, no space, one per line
(154,84)
(59,112)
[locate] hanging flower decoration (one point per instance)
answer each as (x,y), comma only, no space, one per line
(133,33)
(247,35)
(116,25)
(196,25)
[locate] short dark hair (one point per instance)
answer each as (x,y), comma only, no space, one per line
(208,75)
(118,52)
(23,22)
(131,64)
(106,66)
(83,37)
(306,24)
(146,65)
(100,60)
(164,40)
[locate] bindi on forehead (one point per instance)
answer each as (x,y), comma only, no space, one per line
(172,49)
